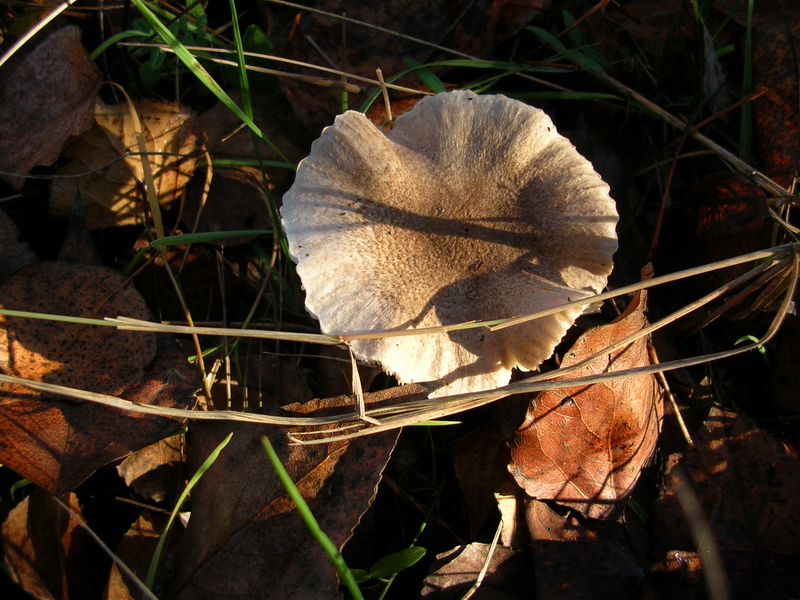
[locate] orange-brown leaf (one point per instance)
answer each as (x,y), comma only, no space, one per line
(574,562)
(57,443)
(47,552)
(584,446)
(173,137)
(244,523)
(508,575)
(776,114)
(45,97)
(748,487)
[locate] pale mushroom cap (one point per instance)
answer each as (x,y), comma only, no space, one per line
(471,208)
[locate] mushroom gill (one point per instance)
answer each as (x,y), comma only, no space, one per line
(470,208)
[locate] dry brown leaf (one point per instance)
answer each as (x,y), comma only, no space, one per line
(156,471)
(784,377)
(573,562)
(638,27)
(111,191)
(775,69)
(266,380)
(236,199)
(748,486)
(723,215)
(136,549)
(56,443)
(48,553)
(479,459)
(99,359)
(196,268)
(679,575)
(235,202)
(507,578)
(764,12)
(108,188)
(14,253)
(244,530)
(274,117)
(45,97)
(585,446)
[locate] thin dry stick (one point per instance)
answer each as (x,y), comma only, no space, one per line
(350,87)
(120,564)
(668,392)
(489,554)
(409,38)
(414,412)
(737,163)
(385,91)
(34,30)
(358,391)
(394,417)
(628,289)
(703,536)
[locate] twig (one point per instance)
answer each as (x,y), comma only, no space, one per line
(489,554)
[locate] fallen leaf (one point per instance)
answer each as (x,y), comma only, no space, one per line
(235,202)
(584,446)
(136,550)
(748,487)
(48,553)
(58,443)
(195,267)
(765,12)
(105,182)
(722,216)
(635,30)
(14,253)
(156,471)
(784,377)
(574,562)
(45,97)
(678,575)
(173,138)
(244,530)
(266,380)
(479,459)
(776,113)
(236,198)
(99,359)
(455,571)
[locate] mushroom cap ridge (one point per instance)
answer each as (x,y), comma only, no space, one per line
(471,208)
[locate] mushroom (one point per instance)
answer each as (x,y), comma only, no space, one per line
(470,208)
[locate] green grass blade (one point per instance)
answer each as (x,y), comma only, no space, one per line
(208,236)
(547,37)
(393,563)
(200,72)
(345,574)
(426,76)
(122,35)
(244,84)
(507,67)
(151,572)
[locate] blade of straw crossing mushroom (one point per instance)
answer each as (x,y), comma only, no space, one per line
(470,208)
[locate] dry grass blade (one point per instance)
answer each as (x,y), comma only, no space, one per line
(349,87)
(425,410)
(737,163)
(409,413)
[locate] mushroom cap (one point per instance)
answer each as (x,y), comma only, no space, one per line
(470,208)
